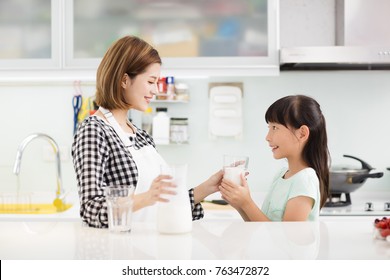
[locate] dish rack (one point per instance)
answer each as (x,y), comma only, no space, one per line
(15,202)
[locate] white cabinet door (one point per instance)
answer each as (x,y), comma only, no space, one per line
(204,37)
(30,34)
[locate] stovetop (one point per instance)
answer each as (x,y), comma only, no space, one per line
(361,204)
(357,207)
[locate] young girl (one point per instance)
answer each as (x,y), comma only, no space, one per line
(297,132)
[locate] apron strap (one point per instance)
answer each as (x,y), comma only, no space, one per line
(112,121)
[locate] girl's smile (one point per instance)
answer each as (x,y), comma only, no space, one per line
(273,148)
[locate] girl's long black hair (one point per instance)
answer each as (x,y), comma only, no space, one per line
(294,111)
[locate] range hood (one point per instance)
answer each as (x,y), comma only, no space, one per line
(362,41)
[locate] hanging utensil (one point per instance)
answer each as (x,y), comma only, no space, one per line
(77,102)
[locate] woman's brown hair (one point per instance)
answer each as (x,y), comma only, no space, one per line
(129,55)
(294,111)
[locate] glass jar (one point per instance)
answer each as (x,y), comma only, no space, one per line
(179,130)
(182,92)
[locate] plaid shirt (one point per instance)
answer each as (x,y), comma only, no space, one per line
(101,159)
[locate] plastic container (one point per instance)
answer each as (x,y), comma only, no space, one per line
(160,127)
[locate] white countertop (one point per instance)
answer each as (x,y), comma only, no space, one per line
(220,235)
(332,238)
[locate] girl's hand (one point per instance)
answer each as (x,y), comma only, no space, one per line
(158,191)
(234,194)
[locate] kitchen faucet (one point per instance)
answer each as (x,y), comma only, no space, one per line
(59,191)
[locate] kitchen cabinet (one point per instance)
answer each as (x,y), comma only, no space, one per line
(30,34)
(218,37)
(307,23)
(64,40)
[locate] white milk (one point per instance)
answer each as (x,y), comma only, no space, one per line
(174,217)
(233,173)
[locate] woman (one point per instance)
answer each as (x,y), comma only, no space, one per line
(110,150)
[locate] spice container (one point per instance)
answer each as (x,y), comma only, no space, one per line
(179,130)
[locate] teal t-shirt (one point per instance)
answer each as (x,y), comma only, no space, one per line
(303,183)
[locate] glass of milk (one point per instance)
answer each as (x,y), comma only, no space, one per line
(234,166)
(175,216)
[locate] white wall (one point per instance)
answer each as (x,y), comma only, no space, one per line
(355,104)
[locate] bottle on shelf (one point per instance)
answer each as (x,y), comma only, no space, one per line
(147,120)
(170,88)
(162,89)
(161,126)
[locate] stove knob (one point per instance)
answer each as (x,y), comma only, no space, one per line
(369,206)
(387,206)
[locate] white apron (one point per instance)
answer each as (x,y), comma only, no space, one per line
(148,162)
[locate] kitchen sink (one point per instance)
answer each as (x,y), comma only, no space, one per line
(33,208)
(31,203)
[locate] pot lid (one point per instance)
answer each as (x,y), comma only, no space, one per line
(347,169)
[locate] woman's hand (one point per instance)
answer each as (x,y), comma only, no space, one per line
(214,181)
(158,191)
(211,185)
(234,194)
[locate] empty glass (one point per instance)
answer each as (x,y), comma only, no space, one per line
(120,208)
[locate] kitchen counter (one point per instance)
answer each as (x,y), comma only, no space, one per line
(220,235)
(331,238)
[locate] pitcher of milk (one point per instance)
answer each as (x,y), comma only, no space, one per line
(175,216)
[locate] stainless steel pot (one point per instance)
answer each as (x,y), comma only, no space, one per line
(347,180)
